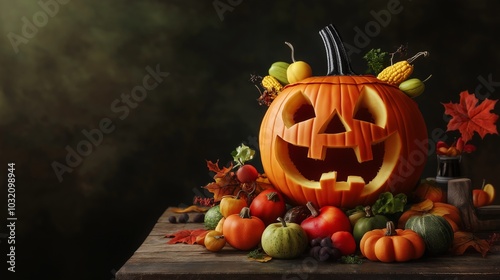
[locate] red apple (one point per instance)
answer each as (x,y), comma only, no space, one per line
(325,221)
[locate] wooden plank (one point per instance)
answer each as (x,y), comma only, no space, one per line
(155,259)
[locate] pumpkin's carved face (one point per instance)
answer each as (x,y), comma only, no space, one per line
(342,140)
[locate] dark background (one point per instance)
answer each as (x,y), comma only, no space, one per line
(65,77)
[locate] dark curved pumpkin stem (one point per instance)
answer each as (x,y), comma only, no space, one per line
(368,211)
(273,196)
(283,223)
(336,55)
(314,211)
(238,194)
(245,213)
(390,229)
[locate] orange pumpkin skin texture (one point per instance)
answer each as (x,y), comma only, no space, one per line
(428,191)
(230,204)
(342,141)
(398,246)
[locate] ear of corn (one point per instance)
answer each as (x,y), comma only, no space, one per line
(396,73)
(271,83)
(399,71)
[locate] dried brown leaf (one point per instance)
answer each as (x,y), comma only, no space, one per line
(467,240)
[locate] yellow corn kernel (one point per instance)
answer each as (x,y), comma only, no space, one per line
(271,83)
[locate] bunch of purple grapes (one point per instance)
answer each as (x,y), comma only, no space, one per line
(322,249)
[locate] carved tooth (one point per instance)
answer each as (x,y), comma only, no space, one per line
(328,180)
(356,183)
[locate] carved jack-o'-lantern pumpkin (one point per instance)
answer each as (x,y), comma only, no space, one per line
(342,139)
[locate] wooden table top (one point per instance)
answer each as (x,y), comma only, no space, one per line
(155,259)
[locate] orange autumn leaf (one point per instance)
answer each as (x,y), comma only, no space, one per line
(219,172)
(441,212)
(264,182)
(468,116)
(265,258)
(423,206)
(192,208)
(220,190)
(467,240)
(225,181)
(185,236)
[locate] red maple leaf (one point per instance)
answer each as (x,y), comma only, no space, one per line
(185,236)
(468,116)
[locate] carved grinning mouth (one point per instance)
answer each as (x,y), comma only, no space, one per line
(341,160)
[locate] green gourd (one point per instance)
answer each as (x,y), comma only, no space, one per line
(278,71)
(212,217)
(413,87)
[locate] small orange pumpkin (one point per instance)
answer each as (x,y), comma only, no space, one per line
(484,196)
(429,190)
(243,231)
(214,241)
(392,245)
(480,198)
(342,139)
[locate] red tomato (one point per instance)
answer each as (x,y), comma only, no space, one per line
(247,173)
(325,222)
(268,205)
(344,241)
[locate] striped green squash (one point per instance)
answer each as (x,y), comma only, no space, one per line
(435,230)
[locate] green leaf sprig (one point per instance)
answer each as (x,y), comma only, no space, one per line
(242,154)
(375,59)
(256,254)
(389,204)
(351,259)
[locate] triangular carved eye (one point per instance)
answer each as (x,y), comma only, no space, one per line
(363,114)
(335,125)
(370,108)
(297,109)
